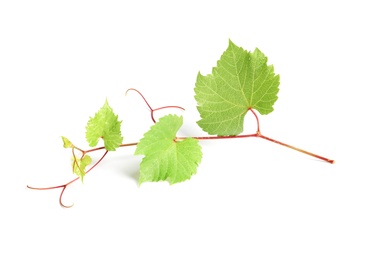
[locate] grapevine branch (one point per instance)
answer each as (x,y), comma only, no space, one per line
(257,134)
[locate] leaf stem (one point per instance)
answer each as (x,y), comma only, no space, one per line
(257,121)
(102,148)
(216,137)
(260,136)
(257,134)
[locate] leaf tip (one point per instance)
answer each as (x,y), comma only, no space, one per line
(66,142)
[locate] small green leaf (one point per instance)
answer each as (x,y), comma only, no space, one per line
(165,157)
(105,125)
(240,81)
(67,143)
(79,167)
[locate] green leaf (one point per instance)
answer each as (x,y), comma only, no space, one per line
(67,143)
(241,81)
(105,125)
(167,158)
(79,167)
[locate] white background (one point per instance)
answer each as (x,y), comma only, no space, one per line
(251,199)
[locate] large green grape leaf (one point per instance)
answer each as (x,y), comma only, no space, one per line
(105,125)
(241,81)
(167,158)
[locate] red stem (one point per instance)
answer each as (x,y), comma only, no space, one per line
(101,148)
(297,149)
(150,108)
(217,137)
(159,108)
(257,134)
(64,186)
(147,103)
(257,121)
